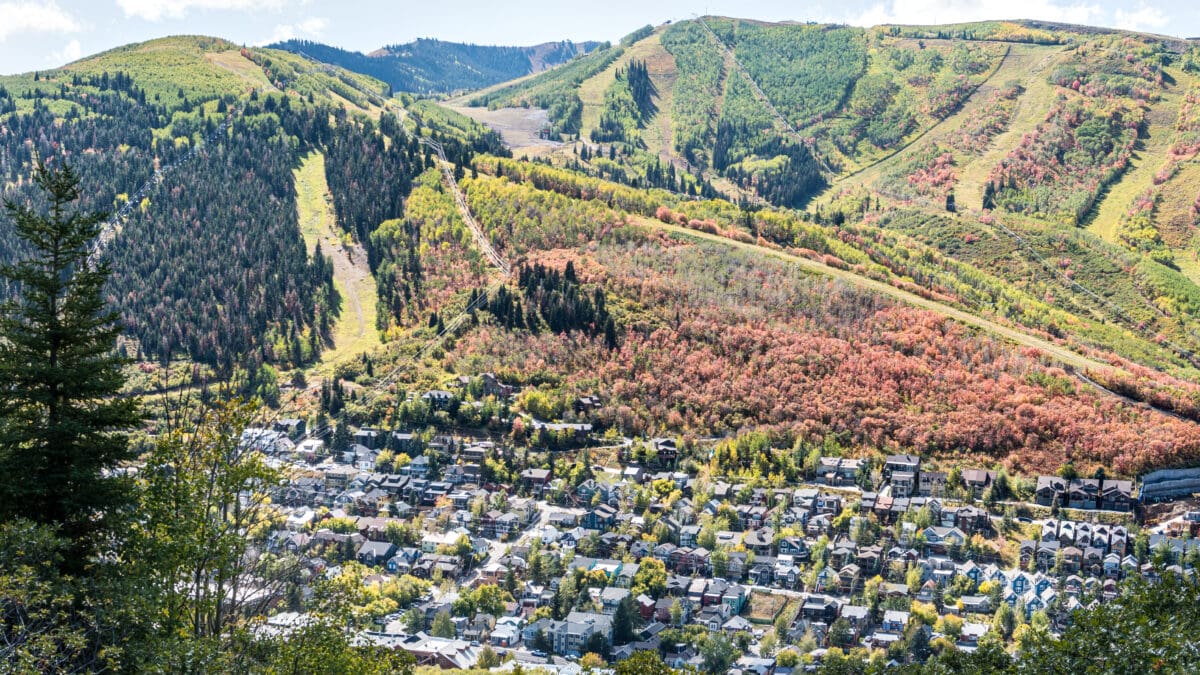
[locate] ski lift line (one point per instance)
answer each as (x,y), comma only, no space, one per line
(108,231)
(762,96)
(453,325)
(481,240)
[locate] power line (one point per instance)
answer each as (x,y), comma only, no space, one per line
(460,201)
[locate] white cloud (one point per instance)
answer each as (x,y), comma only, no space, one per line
(70,52)
(157,10)
(35,17)
(1144,18)
(311,27)
(956,11)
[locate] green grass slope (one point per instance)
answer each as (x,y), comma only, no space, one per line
(189,68)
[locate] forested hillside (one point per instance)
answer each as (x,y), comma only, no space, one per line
(208,261)
(430,66)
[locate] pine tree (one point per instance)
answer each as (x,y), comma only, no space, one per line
(625,621)
(61,423)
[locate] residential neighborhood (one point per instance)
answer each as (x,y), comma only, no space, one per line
(549,555)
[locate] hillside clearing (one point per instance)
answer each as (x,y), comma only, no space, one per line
(1029,66)
(519,128)
(354,333)
(234,62)
(650,50)
(1149,155)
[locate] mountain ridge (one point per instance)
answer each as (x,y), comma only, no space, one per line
(429,65)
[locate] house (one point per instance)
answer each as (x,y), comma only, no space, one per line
(535,480)
(440,652)
(943,539)
(755,665)
(1116,495)
(662,609)
(645,605)
(506,634)
(971,633)
(1083,493)
(600,518)
(978,481)
(786,572)
(585,404)
(266,441)
(368,437)
(437,399)
(418,467)
(292,427)
(931,483)
(449,565)
(976,604)
(402,561)
(971,519)
(759,541)
(908,463)
(310,449)
(908,467)
(894,621)
(409,444)
(1051,489)
(713,592)
(735,597)
(666,451)
(820,608)
(828,504)
(712,617)
(795,547)
(847,578)
(737,625)
(904,483)
(610,598)
(572,634)
(859,618)
(838,471)
(624,576)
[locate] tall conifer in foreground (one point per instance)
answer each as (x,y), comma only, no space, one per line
(61,422)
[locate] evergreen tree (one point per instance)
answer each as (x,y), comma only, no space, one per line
(625,621)
(61,424)
(341,436)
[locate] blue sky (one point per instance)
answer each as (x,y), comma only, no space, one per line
(37,34)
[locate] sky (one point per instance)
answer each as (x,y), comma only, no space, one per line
(39,34)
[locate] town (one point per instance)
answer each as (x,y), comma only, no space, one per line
(577,548)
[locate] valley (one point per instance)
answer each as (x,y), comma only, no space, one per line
(730,345)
